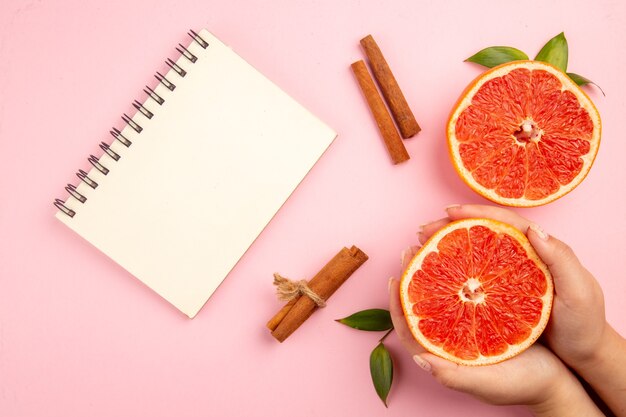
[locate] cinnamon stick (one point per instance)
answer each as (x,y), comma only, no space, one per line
(324,284)
(391,90)
(394,144)
(278,317)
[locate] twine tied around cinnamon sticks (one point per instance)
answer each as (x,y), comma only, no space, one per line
(319,288)
(287,290)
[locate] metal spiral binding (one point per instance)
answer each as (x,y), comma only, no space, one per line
(85,178)
(142,109)
(96,163)
(71,189)
(117,134)
(185,52)
(121,138)
(167,83)
(154,96)
(198,39)
(107,149)
(173,65)
(130,122)
(60,204)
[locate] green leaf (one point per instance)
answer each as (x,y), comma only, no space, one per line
(381,369)
(371,320)
(580,80)
(555,52)
(496,55)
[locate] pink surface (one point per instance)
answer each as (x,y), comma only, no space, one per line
(79,336)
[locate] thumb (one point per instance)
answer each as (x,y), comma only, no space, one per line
(571,279)
(457,377)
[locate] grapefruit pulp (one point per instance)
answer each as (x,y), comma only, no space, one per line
(523,134)
(476,293)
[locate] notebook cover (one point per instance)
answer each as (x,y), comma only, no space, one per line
(203,178)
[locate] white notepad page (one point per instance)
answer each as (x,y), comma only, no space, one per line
(202,179)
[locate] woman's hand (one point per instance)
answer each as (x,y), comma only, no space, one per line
(578,325)
(577,331)
(536,377)
(530,378)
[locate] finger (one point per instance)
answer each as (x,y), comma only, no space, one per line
(470,379)
(465,211)
(399,323)
(441,369)
(407,255)
(429,229)
(571,280)
(507,382)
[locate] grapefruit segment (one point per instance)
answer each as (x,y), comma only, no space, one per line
(523,134)
(484,243)
(433,307)
(460,341)
(476,293)
(541,181)
(424,286)
(513,183)
(476,152)
(437,266)
(526,309)
(491,172)
(526,279)
(565,156)
(438,328)
(454,253)
(488,340)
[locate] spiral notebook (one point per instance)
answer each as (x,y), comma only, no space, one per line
(180,193)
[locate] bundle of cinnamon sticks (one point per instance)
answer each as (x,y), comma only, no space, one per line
(402,114)
(323,285)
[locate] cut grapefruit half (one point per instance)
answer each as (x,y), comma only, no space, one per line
(476,293)
(523,134)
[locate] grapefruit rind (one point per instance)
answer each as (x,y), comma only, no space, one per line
(430,246)
(466,99)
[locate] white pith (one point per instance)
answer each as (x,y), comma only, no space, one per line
(471,285)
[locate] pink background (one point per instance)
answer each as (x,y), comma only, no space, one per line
(79,336)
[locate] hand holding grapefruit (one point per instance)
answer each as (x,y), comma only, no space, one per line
(536,377)
(578,325)
(476,293)
(578,334)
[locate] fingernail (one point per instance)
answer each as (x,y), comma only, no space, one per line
(453,207)
(421,227)
(539,231)
(403,256)
(422,363)
(389,285)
